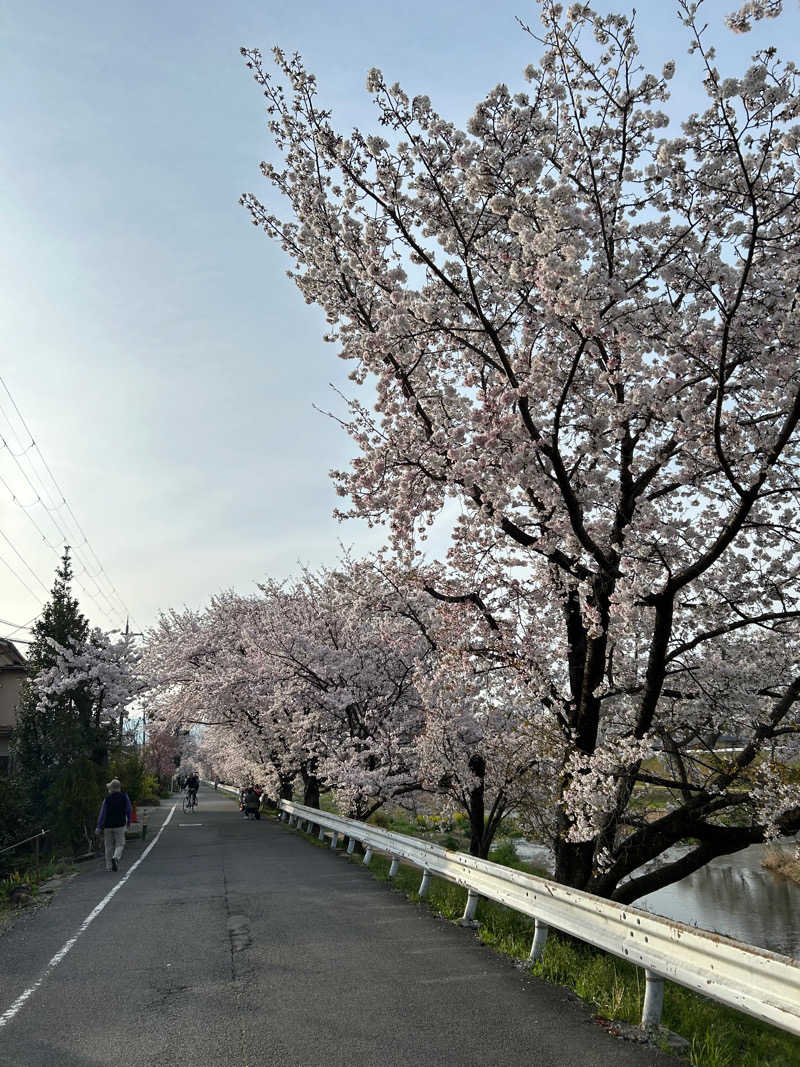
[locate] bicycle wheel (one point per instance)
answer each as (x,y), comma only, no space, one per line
(187,805)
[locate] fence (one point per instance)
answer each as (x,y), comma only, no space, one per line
(762,984)
(37,838)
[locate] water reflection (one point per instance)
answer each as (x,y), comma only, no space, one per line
(732,895)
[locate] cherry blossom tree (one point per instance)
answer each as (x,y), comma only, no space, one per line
(200,674)
(346,643)
(72,710)
(96,677)
(484,746)
(585,330)
(162,746)
(312,679)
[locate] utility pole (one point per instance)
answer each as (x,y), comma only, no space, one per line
(128,635)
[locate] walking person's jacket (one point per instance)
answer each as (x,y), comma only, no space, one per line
(116,811)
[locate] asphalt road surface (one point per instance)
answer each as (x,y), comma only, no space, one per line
(238,943)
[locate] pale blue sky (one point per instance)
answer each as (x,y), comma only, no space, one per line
(165,364)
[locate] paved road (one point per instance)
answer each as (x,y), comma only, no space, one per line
(237,943)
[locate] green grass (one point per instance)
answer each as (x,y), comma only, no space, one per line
(719,1036)
(25,874)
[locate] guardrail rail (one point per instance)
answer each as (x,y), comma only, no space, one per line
(763,984)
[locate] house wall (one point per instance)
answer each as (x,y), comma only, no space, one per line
(12,675)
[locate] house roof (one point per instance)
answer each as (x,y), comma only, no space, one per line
(10,655)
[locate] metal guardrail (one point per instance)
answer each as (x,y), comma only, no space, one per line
(229,790)
(763,984)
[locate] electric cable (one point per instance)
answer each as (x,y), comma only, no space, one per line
(19,626)
(7,565)
(22,559)
(53,507)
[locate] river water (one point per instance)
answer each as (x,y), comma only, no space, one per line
(733,895)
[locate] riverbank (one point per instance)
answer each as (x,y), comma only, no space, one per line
(783,861)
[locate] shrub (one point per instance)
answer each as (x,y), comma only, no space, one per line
(505,853)
(74,802)
(17,820)
(150,788)
(129,768)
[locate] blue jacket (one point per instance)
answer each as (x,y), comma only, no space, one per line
(116,811)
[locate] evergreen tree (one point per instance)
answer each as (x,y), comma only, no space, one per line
(51,735)
(61,621)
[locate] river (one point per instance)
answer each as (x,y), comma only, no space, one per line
(733,895)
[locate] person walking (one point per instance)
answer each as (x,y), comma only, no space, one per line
(252,803)
(113,820)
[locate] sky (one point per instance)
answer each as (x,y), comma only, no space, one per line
(167,371)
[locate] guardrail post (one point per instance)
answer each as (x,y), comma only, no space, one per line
(539,940)
(394,866)
(321,834)
(653,999)
(469,911)
(425,884)
(334,839)
(367,856)
(351,844)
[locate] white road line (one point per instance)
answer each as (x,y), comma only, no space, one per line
(8,1015)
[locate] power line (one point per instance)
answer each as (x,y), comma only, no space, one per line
(22,559)
(53,548)
(22,626)
(51,509)
(36,596)
(17,640)
(19,626)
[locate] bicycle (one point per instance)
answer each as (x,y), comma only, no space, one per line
(189,802)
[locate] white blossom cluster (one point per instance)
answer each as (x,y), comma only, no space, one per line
(99,674)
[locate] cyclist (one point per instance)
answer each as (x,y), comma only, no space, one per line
(192,785)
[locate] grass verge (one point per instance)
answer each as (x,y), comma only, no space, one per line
(718,1035)
(26,875)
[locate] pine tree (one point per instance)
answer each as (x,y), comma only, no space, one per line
(61,621)
(51,736)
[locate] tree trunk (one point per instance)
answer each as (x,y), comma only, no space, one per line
(573,866)
(477,813)
(286,789)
